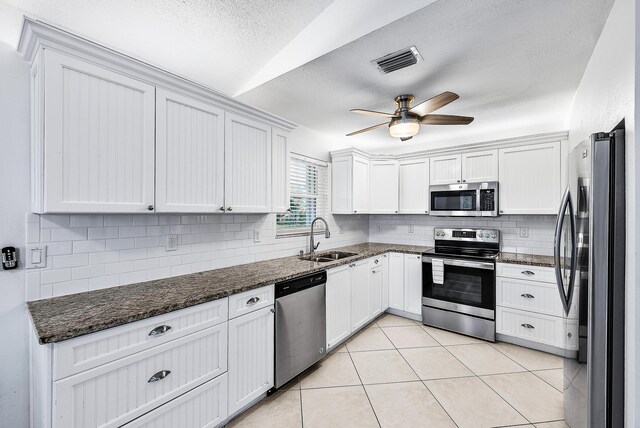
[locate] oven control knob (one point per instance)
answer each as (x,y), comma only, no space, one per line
(493,235)
(486,235)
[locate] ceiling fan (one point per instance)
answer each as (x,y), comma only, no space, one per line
(405,121)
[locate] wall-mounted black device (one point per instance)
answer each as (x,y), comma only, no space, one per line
(9,258)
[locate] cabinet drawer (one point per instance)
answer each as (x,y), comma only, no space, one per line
(202,407)
(540,297)
(532,273)
(539,328)
(118,392)
(249,301)
(86,352)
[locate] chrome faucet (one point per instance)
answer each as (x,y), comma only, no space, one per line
(327,234)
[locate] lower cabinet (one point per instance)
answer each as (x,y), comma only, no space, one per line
(359,294)
(405,282)
(251,357)
(375,290)
(338,290)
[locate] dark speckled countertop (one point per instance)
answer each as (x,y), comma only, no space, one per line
(526,259)
(66,317)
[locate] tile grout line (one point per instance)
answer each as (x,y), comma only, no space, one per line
(364,389)
(418,376)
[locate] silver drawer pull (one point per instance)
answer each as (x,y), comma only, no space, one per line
(527,273)
(159,376)
(529,326)
(252,301)
(160,330)
(376,261)
(528,296)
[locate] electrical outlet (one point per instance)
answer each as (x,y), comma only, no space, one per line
(411,228)
(340,230)
(379,227)
(524,232)
(171,244)
(256,236)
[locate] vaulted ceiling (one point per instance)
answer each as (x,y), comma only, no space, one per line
(515,63)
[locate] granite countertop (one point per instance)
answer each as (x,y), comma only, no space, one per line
(65,317)
(526,259)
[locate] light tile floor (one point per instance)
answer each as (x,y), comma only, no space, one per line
(398,373)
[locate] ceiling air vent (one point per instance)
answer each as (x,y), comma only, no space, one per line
(397,60)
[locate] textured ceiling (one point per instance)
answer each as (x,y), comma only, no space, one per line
(515,63)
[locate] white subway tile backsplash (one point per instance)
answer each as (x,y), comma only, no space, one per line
(71,234)
(88,246)
(132,232)
(104,257)
(118,220)
(103,232)
(145,220)
(120,244)
(71,260)
(55,275)
(107,281)
(50,221)
(133,277)
(86,220)
(90,271)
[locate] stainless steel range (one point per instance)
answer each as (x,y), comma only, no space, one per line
(459,281)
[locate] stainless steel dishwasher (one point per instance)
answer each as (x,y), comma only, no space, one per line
(300,325)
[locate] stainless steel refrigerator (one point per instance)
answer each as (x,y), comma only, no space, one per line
(590,262)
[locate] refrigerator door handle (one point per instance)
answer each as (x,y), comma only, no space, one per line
(568,296)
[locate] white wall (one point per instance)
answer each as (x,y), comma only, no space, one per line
(605,96)
(14,201)
(396,229)
(315,144)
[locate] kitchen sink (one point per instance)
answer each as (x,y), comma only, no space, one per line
(327,257)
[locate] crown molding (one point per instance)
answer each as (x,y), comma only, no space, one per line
(37,35)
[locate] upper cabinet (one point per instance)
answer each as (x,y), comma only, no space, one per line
(189,154)
(281,159)
(350,184)
(530,179)
(247,186)
(93,140)
(113,135)
(465,168)
(413,176)
(383,187)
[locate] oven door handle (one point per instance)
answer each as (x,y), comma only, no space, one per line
(463,263)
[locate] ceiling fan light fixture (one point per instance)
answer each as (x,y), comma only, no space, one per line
(404,127)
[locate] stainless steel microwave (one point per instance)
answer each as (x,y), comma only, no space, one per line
(465,199)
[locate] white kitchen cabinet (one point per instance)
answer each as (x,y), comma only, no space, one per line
(530,179)
(281,159)
(396,281)
(247,186)
(413,184)
(92,140)
(338,291)
(360,313)
(375,291)
(445,169)
(383,187)
(413,283)
(189,154)
(480,166)
(349,184)
(384,261)
(251,357)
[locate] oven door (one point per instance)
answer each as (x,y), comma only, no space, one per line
(468,287)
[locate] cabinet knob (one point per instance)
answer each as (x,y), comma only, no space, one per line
(159,330)
(354,211)
(458,181)
(159,376)
(229,209)
(529,326)
(221,209)
(501,211)
(464,181)
(150,207)
(527,296)
(426,211)
(527,273)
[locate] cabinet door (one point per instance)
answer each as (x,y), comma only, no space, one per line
(99,139)
(413,186)
(413,283)
(396,281)
(359,294)
(480,166)
(341,180)
(360,188)
(383,187)
(445,169)
(338,291)
(375,292)
(523,188)
(247,165)
(189,154)
(385,281)
(251,359)
(280,152)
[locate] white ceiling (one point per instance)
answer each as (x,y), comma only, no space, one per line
(515,63)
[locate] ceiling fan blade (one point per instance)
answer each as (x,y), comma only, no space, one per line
(405,139)
(374,113)
(368,129)
(445,119)
(433,104)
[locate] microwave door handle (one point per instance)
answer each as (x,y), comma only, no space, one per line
(556,249)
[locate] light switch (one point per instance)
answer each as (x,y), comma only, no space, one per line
(36,256)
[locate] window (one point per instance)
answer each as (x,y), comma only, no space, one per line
(308,180)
